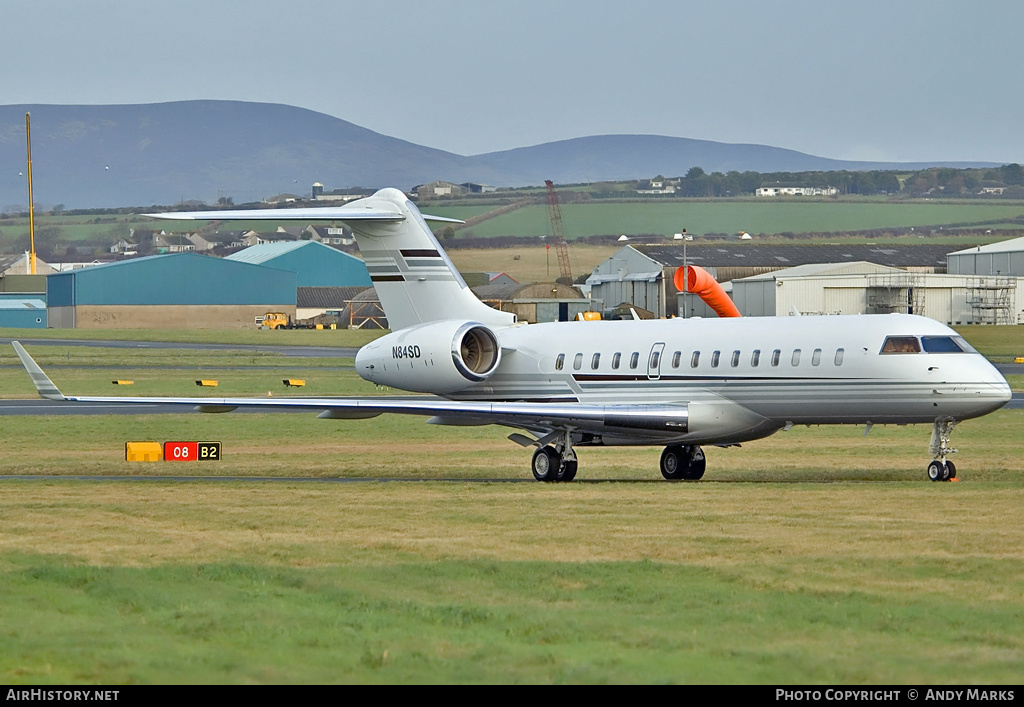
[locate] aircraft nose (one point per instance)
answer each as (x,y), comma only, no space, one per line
(995,395)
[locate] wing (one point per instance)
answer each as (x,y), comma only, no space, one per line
(540,418)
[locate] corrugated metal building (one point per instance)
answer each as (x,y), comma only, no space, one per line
(177,291)
(1000,259)
(22,311)
(315,264)
(866,288)
(641,275)
(817,288)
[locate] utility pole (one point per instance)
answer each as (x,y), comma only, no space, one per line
(31,208)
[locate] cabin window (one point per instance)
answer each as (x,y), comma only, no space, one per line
(901,344)
(776,357)
(839,357)
(816,357)
(695,359)
(596,361)
(559,362)
(796,357)
(615,360)
(676,358)
(715,355)
(578,362)
(655,357)
(755,358)
(945,344)
(634,359)
(735,358)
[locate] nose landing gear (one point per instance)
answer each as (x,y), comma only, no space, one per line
(940,469)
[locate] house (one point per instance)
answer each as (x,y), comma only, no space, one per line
(790,189)
(330,235)
(655,186)
(164,242)
(204,242)
(125,246)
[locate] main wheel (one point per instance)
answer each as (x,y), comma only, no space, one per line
(547,462)
(697,463)
(950,470)
(568,472)
(937,471)
(673,462)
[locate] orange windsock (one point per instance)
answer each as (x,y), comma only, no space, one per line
(699,281)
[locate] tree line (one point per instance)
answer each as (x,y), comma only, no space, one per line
(945,182)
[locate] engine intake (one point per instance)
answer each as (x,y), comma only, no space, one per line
(475,352)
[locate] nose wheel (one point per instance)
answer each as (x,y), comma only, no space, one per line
(941,469)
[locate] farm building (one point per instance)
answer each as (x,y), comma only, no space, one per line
(641,275)
(314,264)
(176,291)
(538,302)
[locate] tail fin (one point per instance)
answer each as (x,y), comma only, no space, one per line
(413,276)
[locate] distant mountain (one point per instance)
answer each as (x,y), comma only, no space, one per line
(162,153)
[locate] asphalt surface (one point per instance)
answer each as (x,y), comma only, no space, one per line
(298,351)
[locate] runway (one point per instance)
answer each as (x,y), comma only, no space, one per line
(284,350)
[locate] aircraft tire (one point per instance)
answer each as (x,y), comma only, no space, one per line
(547,463)
(937,471)
(673,462)
(950,470)
(568,471)
(697,463)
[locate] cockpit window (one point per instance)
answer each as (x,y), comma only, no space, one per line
(946,344)
(901,344)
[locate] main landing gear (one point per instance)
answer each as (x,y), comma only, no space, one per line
(550,465)
(941,469)
(556,461)
(683,462)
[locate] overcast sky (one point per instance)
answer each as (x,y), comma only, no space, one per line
(907,80)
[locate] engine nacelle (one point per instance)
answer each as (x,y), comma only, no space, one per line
(439,357)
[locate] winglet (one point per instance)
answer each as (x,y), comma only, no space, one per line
(40,380)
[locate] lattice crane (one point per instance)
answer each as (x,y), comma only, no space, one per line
(561,247)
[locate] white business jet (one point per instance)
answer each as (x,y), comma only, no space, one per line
(678,383)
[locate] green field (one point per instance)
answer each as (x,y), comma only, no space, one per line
(815,556)
(657,216)
(665,217)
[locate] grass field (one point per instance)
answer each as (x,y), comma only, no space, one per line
(656,216)
(665,217)
(816,556)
